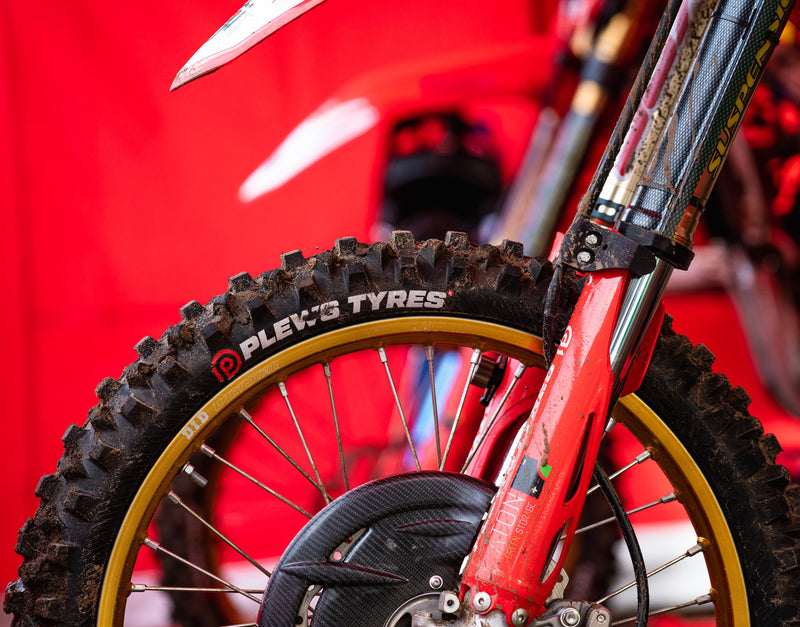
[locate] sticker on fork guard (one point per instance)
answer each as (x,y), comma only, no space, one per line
(530,478)
(226,363)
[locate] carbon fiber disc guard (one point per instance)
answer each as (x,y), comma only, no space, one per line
(374,550)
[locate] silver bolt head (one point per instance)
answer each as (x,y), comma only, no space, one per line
(519,617)
(449,602)
(481,601)
(591,239)
(585,256)
(435,582)
(570,617)
(601,618)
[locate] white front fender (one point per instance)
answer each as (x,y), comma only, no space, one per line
(256,20)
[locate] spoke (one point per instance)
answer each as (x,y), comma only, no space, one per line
(141,587)
(249,420)
(285,394)
(385,362)
(160,549)
(641,457)
(517,375)
(701,600)
(207,450)
(326,368)
(476,355)
(697,548)
(429,357)
(663,500)
(178,501)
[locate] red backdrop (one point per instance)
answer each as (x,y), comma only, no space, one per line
(119,198)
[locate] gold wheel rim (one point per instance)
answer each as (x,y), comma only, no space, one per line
(700,503)
(697,496)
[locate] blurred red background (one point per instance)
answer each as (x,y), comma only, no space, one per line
(119,198)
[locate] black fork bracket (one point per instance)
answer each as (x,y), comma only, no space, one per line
(589,247)
(738,41)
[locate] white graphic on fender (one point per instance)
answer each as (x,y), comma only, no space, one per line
(358,304)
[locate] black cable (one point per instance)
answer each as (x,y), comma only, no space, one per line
(632,542)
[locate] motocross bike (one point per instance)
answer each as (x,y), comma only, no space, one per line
(488,527)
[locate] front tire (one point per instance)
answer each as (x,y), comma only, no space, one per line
(353,324)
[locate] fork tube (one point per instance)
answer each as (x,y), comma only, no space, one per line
(671,196)
(629,110)
(638,308)
(707,114)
